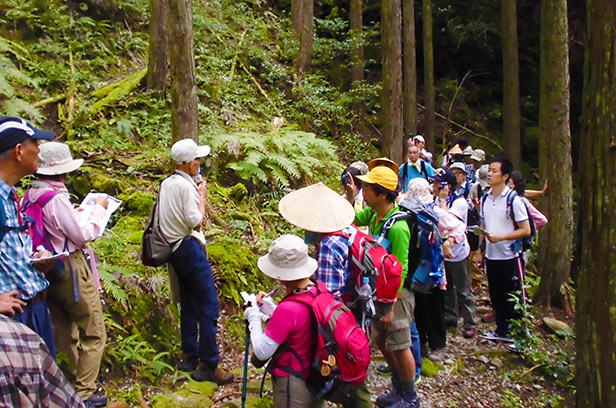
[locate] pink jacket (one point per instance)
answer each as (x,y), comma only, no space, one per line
(538,217)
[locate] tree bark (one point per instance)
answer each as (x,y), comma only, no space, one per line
(158,65)
(184,119)
(409,68)
(511,82)
(302,16)
(391,37)
(596,294)
(429,96)
(357,55)
(555,155)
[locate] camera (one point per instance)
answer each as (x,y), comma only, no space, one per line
(346,178)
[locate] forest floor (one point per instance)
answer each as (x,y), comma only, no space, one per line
(475,373)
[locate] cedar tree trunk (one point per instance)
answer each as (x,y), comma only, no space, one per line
(429,130)
(410,69)
(184,119)
(511,83)
(391,37)
(596,293)
(158,65)
(555,157)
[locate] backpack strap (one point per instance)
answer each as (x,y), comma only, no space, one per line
(423,170)
(405,176)
(395,217)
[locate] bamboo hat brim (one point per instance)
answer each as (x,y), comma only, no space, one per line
(317,208)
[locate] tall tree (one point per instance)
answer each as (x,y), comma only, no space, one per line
(511,82)
(302,16)
(357,54)
(555,154)
(391,38)
(409,68)
(429,93)
(356,25)
(184,119)
(596,293)
(158,65)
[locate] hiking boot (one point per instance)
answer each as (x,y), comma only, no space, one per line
(437,355)
(389,399)
(384,370)
(188,362)
(96,400)
(488,317)
(407,401)
(219,376)
(494,336)
(468,333)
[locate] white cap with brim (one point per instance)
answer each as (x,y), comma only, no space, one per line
(187,150)
(288,260)
(458,165)
(55,159)
(317,208)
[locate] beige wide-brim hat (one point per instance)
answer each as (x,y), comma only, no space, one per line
(317,208)
(55,159)
(288,260)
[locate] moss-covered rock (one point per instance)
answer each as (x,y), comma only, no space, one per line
(140,203)
(128,225)
(191,395)
(87,180)
(238,192)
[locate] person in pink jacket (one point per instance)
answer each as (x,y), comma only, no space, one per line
(74,301)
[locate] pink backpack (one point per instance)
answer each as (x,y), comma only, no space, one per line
(342,353)
(33,212)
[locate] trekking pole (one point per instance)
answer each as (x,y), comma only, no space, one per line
(245,379)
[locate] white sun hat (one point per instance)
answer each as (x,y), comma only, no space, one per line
(187,150)
(55,158)
(287,259)
(317,208)
(420,188)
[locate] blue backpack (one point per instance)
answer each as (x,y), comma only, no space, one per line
(425,259)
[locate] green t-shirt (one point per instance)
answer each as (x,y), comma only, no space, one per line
(399,235)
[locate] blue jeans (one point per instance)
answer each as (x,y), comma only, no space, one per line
(198,302)
(36,316)
(416,349)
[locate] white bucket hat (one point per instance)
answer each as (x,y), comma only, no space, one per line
(55,158)
(187,150)
(317,208)
(287,259)
(478,155)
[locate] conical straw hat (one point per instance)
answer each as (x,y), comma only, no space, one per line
(317,208)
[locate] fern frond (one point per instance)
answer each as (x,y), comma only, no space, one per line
(254,157)
(249,171)
(108,281)
(278,174)
(288,165)
(19,107)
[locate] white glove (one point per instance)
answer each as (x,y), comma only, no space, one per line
(254,313)
(268,306)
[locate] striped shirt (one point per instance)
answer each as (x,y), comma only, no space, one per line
(16,273)
(29,376)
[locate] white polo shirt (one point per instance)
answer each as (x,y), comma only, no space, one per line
(497,220)
(178,206)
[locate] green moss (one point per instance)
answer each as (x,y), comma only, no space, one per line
(127,225)
(237,264)
(181,399)
(238,192)
(140,203)
(92,180)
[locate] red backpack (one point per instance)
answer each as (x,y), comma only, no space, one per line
(369,259)
(342,352)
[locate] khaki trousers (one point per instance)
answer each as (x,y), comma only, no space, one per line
(78,327)
(291,392)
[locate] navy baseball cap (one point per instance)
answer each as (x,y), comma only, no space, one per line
(14,131)
(444,175)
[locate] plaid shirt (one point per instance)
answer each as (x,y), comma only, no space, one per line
(16,251)
(334,263)
(470,173)
(29,376)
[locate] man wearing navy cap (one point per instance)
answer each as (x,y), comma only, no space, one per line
(18,158)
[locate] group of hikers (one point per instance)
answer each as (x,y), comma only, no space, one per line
(434,229)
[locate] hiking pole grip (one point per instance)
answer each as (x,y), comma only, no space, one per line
(245,378)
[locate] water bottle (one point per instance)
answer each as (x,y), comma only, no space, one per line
(199,175)
(365,294)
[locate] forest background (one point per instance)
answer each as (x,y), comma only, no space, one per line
(288,93)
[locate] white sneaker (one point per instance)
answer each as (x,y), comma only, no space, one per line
(496,337)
